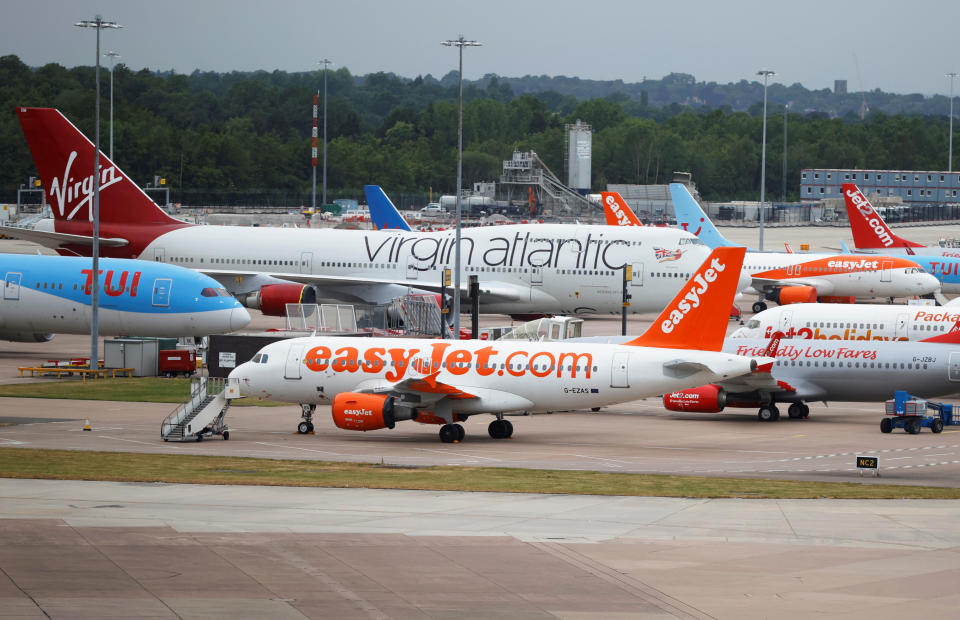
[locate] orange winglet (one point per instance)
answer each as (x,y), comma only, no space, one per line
(697,317)
(616,210)
(430,385)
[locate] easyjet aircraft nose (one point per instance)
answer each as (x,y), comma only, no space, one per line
(927,284)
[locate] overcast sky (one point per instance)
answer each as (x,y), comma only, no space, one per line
(900,47)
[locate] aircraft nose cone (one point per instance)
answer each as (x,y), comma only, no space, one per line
(239,318)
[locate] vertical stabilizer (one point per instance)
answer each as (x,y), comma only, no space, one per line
(617,211)
(697,317)
(691,218)
(869,229)
(383,214)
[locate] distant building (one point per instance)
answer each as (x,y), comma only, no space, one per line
(913,187)
(839,87)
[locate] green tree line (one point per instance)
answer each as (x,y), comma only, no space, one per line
(243,138)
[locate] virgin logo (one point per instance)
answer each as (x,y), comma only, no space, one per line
(76,193)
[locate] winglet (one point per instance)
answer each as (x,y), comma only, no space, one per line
(691,218)
(617,211)
(697,317)
(951,337)
(771,351)
(869,229)
(382,212)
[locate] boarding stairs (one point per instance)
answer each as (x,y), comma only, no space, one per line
(203,413)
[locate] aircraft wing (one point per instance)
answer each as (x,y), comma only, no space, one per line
(684,368)
(490,291)
(54,240)
(766,383)
(823,287)
(429,390)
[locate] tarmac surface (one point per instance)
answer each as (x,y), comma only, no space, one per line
(89,549)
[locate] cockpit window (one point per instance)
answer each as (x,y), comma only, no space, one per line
(688,241)
(263,360)
(224,292)
(753,324)
(209,292)
(256,358)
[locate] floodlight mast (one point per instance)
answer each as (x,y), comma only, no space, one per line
(763,151)
(460,43)
(99,25)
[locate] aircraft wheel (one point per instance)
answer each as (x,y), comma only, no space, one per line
(226,435)
(937,425)
(497,429)
(460,432)
(448,434)
(303,428)
(806,410)
(509,426)
(199,437)
(594,408)
(795,411)
(758,306)
(768,413)
(886,425)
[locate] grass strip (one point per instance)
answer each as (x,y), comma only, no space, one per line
(135,467)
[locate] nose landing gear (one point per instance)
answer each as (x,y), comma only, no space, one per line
(306,425)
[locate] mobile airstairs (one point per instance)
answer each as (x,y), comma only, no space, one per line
(203,414)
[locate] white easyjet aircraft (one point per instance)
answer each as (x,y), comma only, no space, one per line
(374,383)
(788,278)
(522,269)
(851,322)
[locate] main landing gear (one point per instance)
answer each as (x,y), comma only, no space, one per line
(758,306)
(452,433)
(500,429)
(306,425)
(796,411)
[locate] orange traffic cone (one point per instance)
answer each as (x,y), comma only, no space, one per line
(86,424)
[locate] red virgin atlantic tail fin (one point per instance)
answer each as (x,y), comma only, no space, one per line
(617,211)
(64,159)
(697,317)
(869,229)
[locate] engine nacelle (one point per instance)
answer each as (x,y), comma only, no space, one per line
(797,295)
(704,399)
(25,337)
(362,412)
(272,299)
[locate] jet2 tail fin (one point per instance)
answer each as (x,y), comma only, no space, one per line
(697,317)
(383,214)
(691,218)
(64,159)
(869,229)
(617,211)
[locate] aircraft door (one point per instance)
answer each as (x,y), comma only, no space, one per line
(885,269)
(786,317)
(11,286)
(953,372)
(637,275)
(536,276)
(291,369)
(619,370)
(306,262)
(159,255)
(161,292)
(902,327)
(413,272)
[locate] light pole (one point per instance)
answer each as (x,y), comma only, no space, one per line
(763,150)
(461,43)
(783,189)
(325,64)
(99,25)
(112,56)
(950,156)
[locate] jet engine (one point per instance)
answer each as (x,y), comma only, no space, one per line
(836,299)
(272,299)
(705,399)
(362,412)
(797,295)
(25,337)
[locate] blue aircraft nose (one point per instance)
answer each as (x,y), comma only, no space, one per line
(239,318)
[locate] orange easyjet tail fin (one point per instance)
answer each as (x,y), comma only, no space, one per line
(617,211)
(697,317)
(869,229)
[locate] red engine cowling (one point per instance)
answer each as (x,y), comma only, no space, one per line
(362,412)
(705,399)
(797,295)
(836,299)
(272,299)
